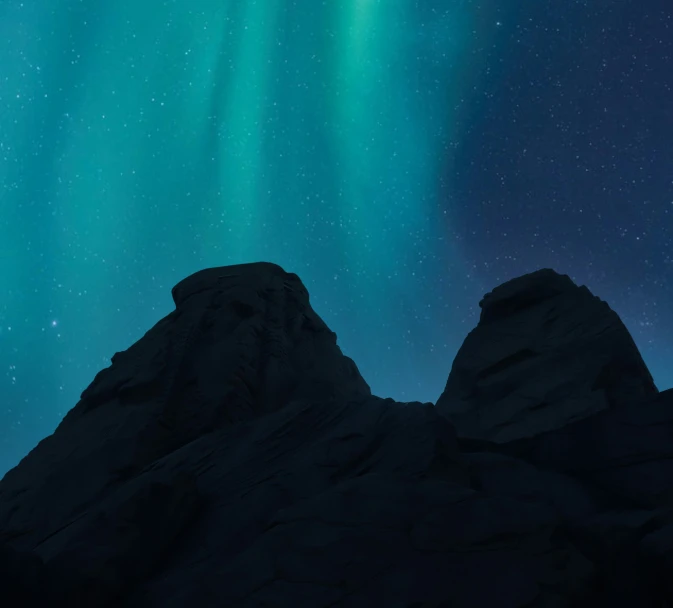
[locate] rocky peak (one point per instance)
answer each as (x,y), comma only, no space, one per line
(242,343)
(235,457)
(544,354)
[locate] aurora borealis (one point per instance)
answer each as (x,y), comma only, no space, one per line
(403,157)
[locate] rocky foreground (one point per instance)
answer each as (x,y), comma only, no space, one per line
(234,457)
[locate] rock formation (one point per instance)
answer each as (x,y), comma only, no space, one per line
(544,354)
(234,457)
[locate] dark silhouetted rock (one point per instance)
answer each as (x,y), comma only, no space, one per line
(545,353)
(235,457)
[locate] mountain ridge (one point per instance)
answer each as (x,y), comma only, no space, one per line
(233,456)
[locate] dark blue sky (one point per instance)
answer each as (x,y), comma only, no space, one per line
(402,157)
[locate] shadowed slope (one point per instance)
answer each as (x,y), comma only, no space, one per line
(235,457)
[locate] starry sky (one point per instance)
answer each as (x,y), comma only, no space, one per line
(402,156)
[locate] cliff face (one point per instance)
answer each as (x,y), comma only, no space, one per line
(235,457)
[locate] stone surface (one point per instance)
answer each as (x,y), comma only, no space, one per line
(545,353)
(235,457)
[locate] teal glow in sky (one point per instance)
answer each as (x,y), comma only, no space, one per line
(143,141)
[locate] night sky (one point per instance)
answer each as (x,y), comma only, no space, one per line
(403,157)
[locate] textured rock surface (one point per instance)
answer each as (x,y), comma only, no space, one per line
(235,457)
(545,353)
